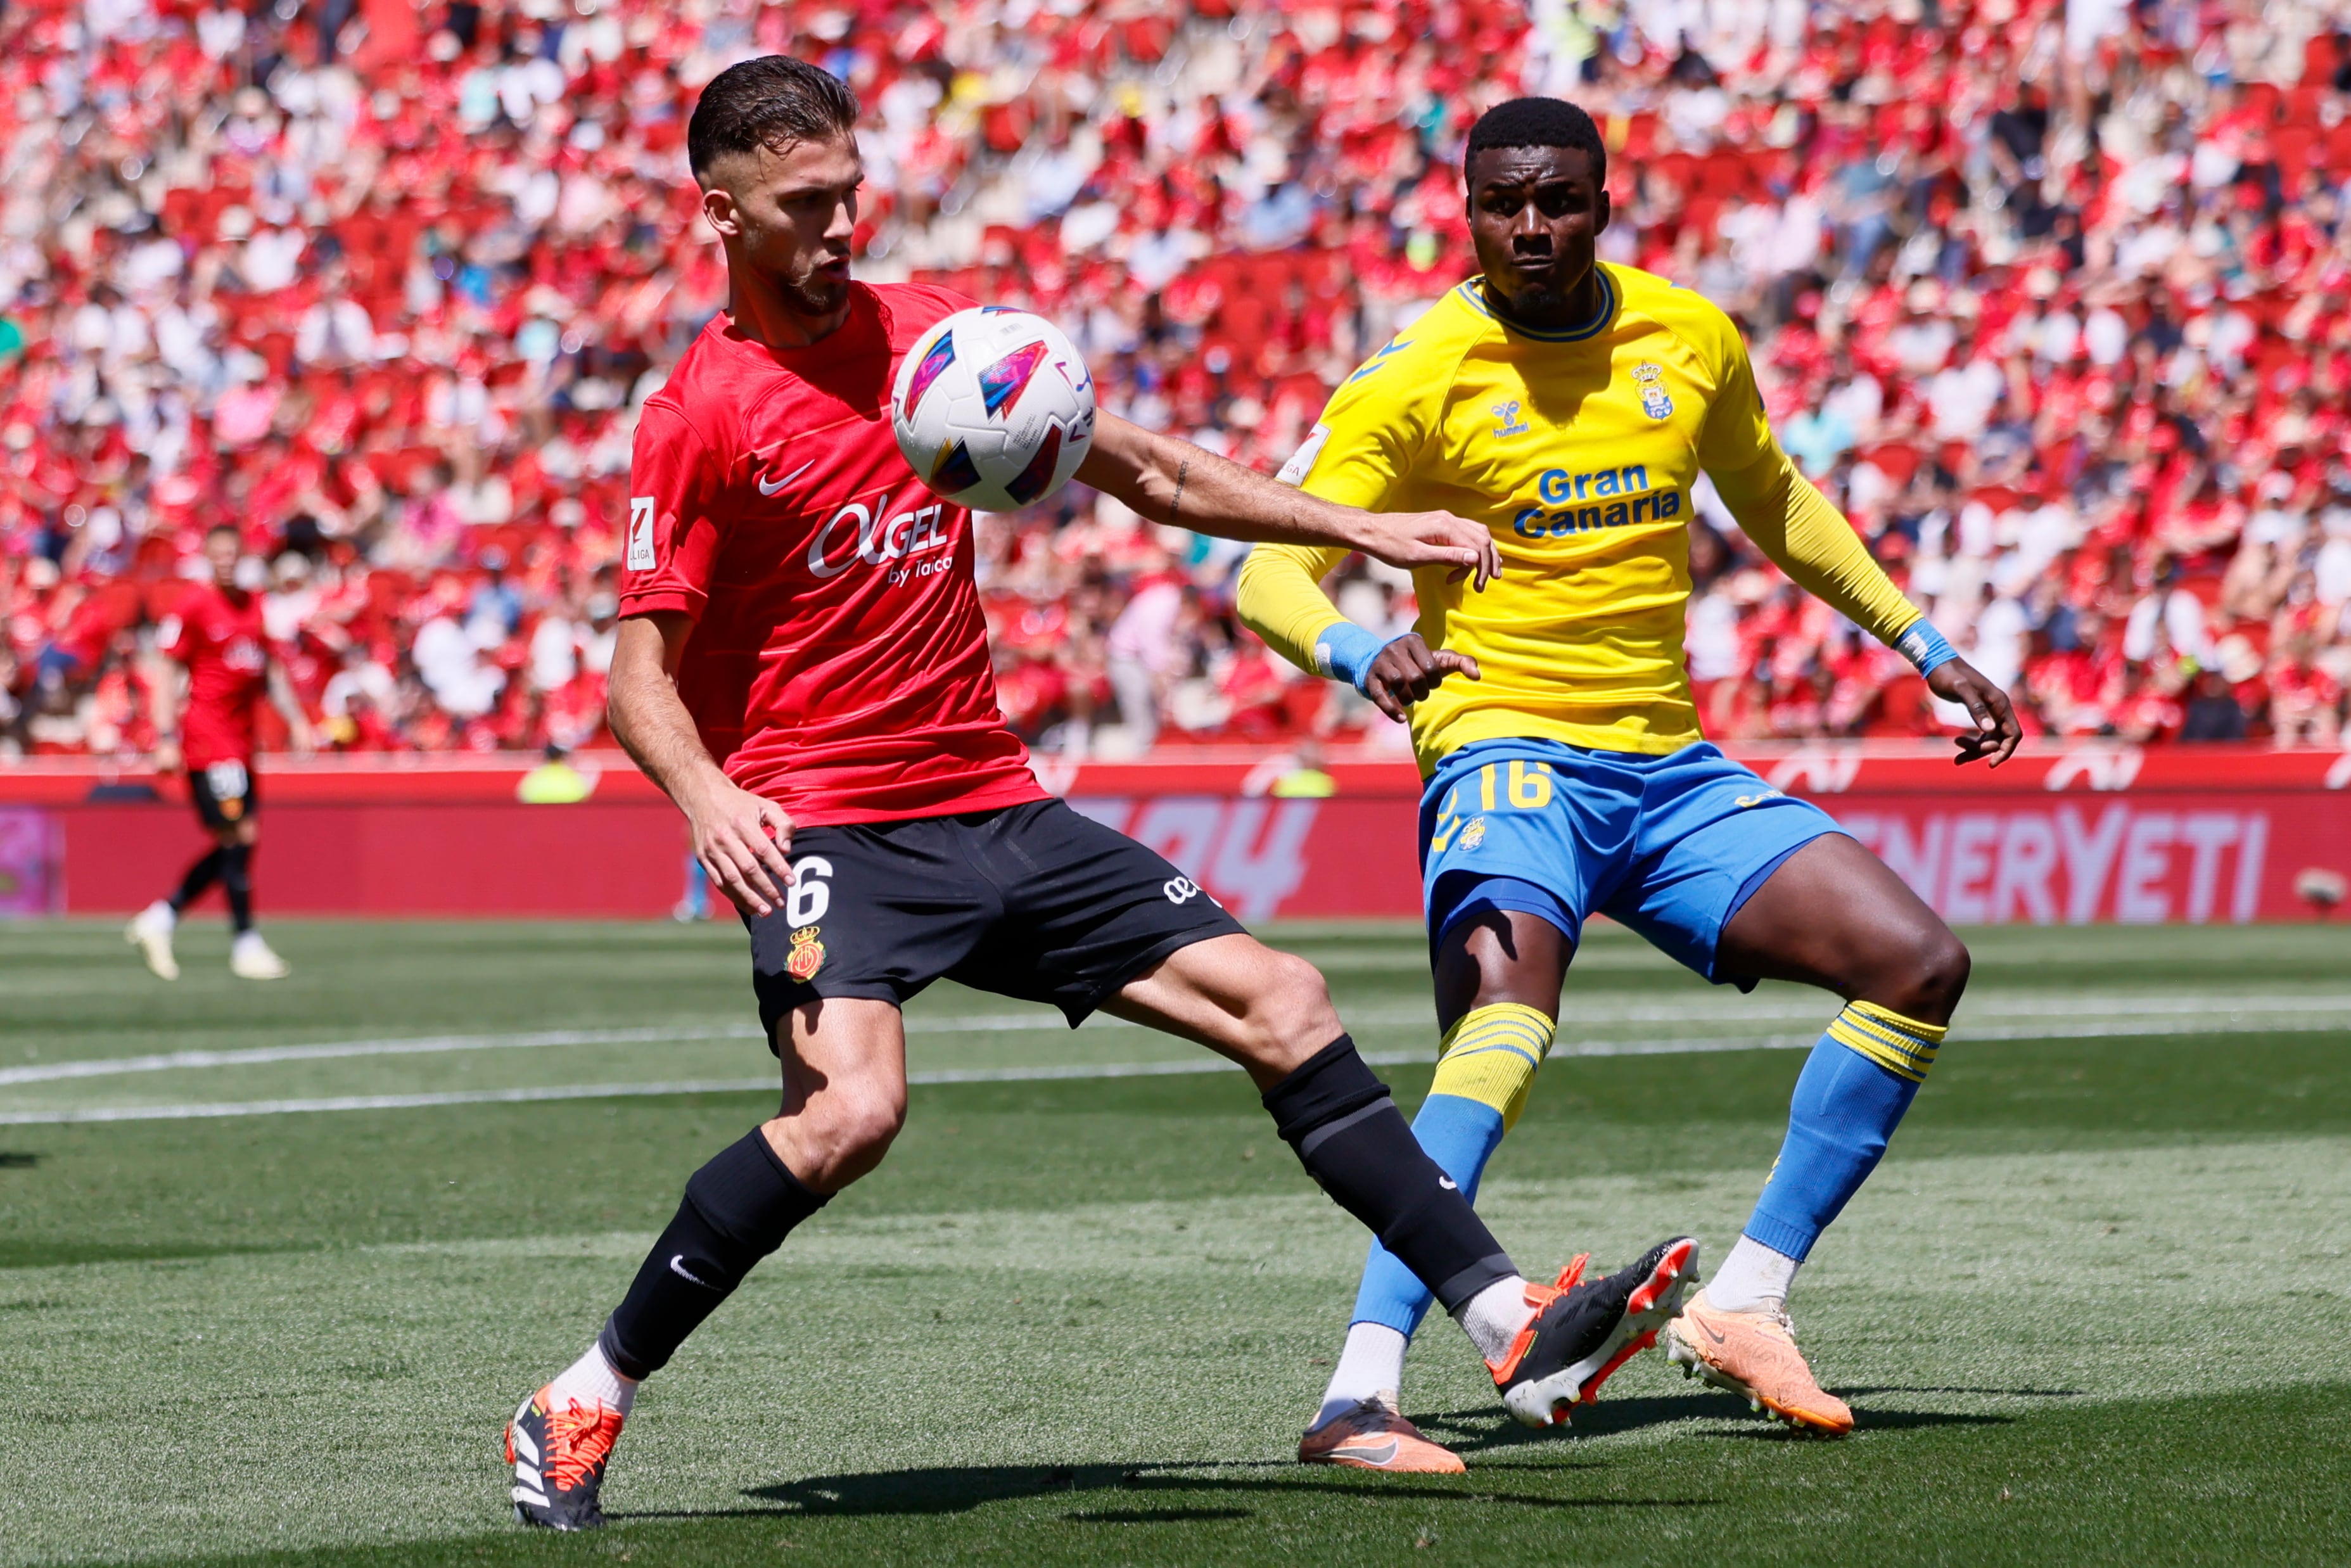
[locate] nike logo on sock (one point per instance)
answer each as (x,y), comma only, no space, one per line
(677,1266)
(767,489)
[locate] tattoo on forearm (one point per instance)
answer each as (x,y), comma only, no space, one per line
(1175,506)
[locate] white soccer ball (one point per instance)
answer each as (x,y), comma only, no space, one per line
(993,408)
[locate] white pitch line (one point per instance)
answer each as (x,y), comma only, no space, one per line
(1728,1014)
(617,1092)
(1682,1046)
(254,1056)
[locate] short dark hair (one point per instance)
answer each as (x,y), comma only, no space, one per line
(772,101)
(226,528)
(1538,122)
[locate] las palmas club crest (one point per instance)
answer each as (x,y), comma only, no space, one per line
(1651,380)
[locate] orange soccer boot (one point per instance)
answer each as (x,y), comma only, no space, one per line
(1374,1436)
(1754,1355)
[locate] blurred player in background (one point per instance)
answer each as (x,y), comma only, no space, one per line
(216,636)
(1572,405)
(803,666)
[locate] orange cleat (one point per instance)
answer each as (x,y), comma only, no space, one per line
(1754,1355)
(1374,1436)
(558,1461)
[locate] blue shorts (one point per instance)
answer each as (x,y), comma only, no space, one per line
(1671,846)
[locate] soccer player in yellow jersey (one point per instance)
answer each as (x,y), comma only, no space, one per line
(1572,406)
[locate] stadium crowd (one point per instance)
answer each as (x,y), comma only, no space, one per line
(2053,299)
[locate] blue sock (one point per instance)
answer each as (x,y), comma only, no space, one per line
(1460,1135)
(1854,1088)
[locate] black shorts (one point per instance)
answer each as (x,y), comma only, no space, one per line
(224,794)
(1034,902)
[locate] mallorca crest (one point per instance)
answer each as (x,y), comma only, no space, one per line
(1651,380)
(807,955)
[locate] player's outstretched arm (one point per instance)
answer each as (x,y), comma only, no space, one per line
(1279,599)
(741,839)
(1172,481)
(1792,522)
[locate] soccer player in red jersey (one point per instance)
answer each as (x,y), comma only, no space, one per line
(216,634)
(802,665)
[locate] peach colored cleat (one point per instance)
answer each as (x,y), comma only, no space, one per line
(1374,1436)
(1754,1355)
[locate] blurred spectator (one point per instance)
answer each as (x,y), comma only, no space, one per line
(2053,298)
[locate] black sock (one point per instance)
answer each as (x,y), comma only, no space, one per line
(201,875)
(737,1209)
(1352,1141)
(237,881)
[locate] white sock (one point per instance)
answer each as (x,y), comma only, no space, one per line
(592,1379)
(161,913)
(1372,1363)
(1493,1317)
(1753,1279)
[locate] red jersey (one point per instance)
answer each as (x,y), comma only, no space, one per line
(839,664)
(218,636)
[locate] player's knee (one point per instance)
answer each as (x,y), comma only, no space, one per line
(844,1134)
(1928,973)
(1293,1018)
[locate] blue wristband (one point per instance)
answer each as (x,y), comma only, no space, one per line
(1344,652)
(1925,647)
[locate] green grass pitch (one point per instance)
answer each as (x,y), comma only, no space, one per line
(2096,1305)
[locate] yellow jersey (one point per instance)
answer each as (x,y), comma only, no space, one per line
(1579,449)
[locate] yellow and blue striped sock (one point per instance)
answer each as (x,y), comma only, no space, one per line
(1852,1094)
(1483,1075)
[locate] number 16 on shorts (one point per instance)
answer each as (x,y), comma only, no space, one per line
(1518,785)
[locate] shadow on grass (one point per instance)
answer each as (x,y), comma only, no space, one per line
(1992,1393)
(39,1254)
(1153,1516)
(1482,1431)
(17,1160)
(960,1489)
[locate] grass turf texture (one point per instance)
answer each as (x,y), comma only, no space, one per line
(2091,1307)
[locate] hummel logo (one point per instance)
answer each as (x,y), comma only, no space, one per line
(767,489)
(1446,1183)
(677,1266)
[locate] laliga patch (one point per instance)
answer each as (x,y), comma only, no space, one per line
(1302,462)
(807,955)
(641,533)
(1651,380)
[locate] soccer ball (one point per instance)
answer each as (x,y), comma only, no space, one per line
(993,408)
